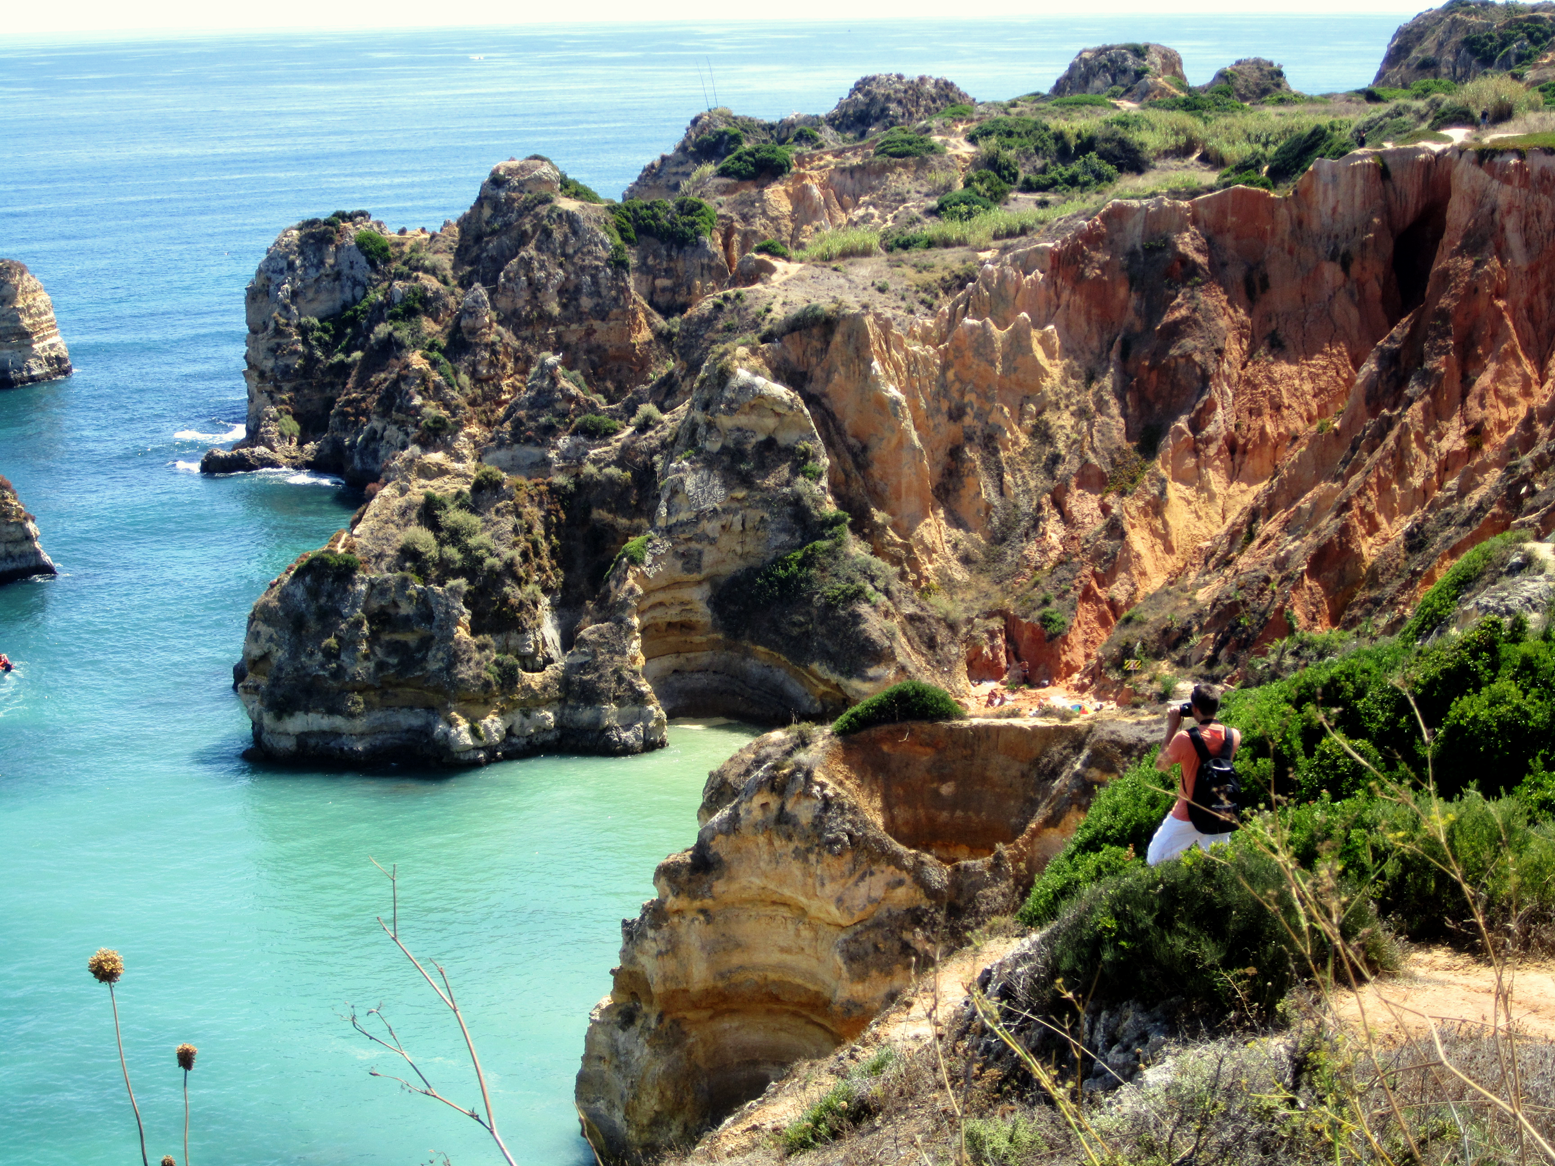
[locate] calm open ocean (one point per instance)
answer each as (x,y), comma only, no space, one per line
(141,182)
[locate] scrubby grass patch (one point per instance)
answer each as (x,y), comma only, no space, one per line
(845,243)
(328,566)
(845,1104)
(899,142)
(911,700)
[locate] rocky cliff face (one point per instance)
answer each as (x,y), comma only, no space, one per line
(31,348)
(21,556)
(1140,71)
(826,872)
(1465,38)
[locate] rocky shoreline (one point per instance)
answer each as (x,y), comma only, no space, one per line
(31,348)
(21,554)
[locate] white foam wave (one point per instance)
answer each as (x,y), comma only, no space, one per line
(187,467)
(309,478)
(234,434)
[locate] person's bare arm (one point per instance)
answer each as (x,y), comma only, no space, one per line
(1173,723)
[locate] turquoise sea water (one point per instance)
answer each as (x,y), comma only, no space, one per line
(142,182)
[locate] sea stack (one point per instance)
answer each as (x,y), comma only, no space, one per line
(30,345)
(20,555)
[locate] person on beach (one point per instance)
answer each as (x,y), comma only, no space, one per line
(1177,832)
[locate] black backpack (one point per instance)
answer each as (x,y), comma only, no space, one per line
(1215,807)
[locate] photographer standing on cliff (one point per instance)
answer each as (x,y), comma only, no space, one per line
(1179,831)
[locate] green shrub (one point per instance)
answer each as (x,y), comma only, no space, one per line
(1498,95)
(1123,816)
(506,671)
(911,700)
(774,248)
(1054,622)
(1004,1141)
(572,188)
(374,247)
(805,137)
(718,143)
(1082,101)
(1000,160)
(1294,155)
(1025,135)
(635,551)
(1530,35)
(959,109)
(899,142)
(985,183)
(960,205)
(1220,100)
(750,163)
(288,426)
(809,316)
(847,243)
(646,417)
(1429,85)
(845,1104)
(1115,146)
(435,423)
(418,549)
(1437,605)
(595,426)
(328,566)
(679,223)
(1085,173)
(488,478)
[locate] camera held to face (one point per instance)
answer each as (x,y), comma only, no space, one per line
(1186,712)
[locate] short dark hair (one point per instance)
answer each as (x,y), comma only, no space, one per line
(1206,698)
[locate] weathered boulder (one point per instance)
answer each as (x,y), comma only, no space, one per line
(1137,69)
(31,348)
(883,100)
(21,556)
(826,873)
(1464,38)
(1253,79)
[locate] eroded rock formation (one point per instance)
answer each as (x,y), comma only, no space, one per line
(1253,79)
(827,870)
(31,348)
(1464,38)
(21,556)
(883,100)
(1140,71)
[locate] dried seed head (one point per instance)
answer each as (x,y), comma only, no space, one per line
(106,965)
(186,1057)
(168,1160)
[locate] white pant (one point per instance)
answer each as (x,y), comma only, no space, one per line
(1176,836)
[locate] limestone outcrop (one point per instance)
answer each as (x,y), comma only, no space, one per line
(21,556)
(31,348)
(1464,38)
(826,872)
(1140,71)
(1253,79)
(425,632)
(883,100)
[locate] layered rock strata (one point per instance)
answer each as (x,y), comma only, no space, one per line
(21,556)
(31,348)
(826,873)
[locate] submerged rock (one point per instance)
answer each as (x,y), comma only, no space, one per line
(827,872)
(31,348)
(21,557)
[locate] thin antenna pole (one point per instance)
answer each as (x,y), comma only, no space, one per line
(705,103)
(714,80)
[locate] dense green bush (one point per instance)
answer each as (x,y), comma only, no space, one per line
(898,142)
(754,162)
(488,479)
(1054,622)
(572,188)
(435,423)
(1082,100)
(960,205)
(374,247)
(328,566)
(773,247)
(1294,155)
(718,143)
(595,426)
(1439,603)
(805,137)
(1085,173)
(1114,146)
(959,109)
(845,1104)
(1530,35)
(987,184)
(999,160)
(635,550)
(679,223)
(911,700)
(646,417)
(1024,135)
